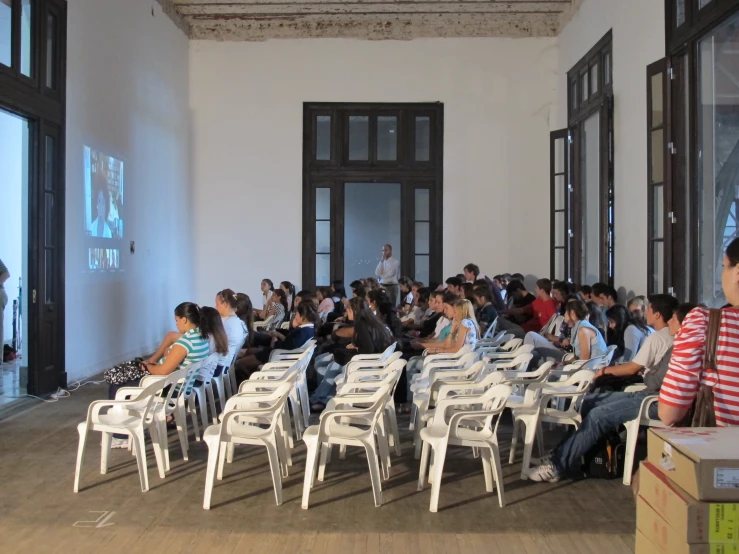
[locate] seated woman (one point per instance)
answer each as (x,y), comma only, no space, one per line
(237,317)
(380,303)
(325,301)
(303,330)
(627,334)
(587,341)
(277,310)
(370,336)
(267,290)
(197,327)
(406,294)
(289,289)
(486,312)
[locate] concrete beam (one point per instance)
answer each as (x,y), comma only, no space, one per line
(170,11)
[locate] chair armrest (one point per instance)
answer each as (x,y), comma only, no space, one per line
(646,404)
(635,388)
(128,393)
(147,380)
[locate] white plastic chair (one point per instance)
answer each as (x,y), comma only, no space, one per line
(128,417)
(535,410)
(469,427)
(204,391)
(222,383)
(333,430)
(491,330)
(632,429)
(241,425)
(264,324)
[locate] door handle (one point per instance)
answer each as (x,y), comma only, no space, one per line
(34,296)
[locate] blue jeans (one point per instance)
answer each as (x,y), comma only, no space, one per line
(414,366)
(326,390)
(601,414)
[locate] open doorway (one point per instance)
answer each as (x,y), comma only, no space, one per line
(14,159)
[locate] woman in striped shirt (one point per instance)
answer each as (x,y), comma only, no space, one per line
(686,372)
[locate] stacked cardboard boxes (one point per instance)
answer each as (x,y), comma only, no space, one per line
(689,493)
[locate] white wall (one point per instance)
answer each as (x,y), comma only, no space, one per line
(638,40)
(127,95)
(247,101)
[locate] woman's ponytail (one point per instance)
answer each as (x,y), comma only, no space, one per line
(211,325)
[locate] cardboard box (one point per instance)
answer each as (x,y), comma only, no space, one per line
(703,462)
(691,520)
(645,546)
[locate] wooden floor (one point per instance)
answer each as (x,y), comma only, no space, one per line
(40,513)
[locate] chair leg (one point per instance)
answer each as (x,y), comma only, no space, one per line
(632,433)
(139,448)
(395,432)
(437,470)
(383,448)
(310,471)
(274,466)
(531,427)
(486,469)
(222,450)
(202,404)
(162,431)
(424,465)
(325,451)
(192,410)
(104,451)
(80,456)
(158,453)
(180,418)
(514,440)
(497,472)
(374,468)
(283,452)
(210,474)
(211,403)
(218,382)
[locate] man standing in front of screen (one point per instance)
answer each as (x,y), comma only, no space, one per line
(388,272)
(4,276)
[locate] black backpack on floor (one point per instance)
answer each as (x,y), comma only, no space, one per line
(606,459)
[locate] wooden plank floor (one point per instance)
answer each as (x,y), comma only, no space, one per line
(40,513)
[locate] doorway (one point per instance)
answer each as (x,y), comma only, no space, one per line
(372,175)
(14,159)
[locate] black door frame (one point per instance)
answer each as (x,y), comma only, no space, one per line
(44,107)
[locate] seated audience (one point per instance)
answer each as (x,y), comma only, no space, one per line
(688,380)
(628,335)
(543,308)
(603,413)
(325,301)
(421,309)
(276,309)
(545,340)
(486,312)
(370,336)
(454,286)
(267,290)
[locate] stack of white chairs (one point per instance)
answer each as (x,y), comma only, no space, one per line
(257,417)
(369,362)
(304,354)
(350,425)
(536,410)
(465,421)
(144,409)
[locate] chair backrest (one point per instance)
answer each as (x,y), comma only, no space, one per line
(491,330)
(238,408)
(610,353)
(388,351)
(519,363)
(553,325)
(511,345)
(208,368)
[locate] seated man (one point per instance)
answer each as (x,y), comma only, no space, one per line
(520,311)
(605,412)
(604,295)
(486,314)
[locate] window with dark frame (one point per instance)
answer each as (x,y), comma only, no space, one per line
(384,143)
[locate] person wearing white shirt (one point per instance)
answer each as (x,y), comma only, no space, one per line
(388,272)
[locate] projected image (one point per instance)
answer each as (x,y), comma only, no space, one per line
(103,195)
(104,259)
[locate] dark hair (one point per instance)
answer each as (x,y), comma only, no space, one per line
(424,293)
(283,299)
(326,292)
(360,291)
(578,307)
(208,320)
(481,283)
(621,317)
(269,282)
(450,298)
(732,252)
(437,294)
(385,310)
(307,296)
(585,289)
(418,284)
(454,281)
(339,289)
(507,276)
(484,293)
(241,304)
(683,310)
(355,284)
(472,268)
(562,287)
(406,281)
(372,283)
(545,285)
(664,305)
(596,317)
(290,288)
(518,277)
(468,289)
(515,286)
(607,290)
(363,317)
(308,311)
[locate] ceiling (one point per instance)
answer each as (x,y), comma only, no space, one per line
(257,20)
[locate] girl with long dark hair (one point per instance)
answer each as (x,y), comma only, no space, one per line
(627,334)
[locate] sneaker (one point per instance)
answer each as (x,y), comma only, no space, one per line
(545,472)
(118,443)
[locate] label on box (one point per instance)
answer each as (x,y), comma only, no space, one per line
(688,441)
(724,523)
(724,549)
(726,478)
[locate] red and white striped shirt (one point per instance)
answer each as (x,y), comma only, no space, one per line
(686,366)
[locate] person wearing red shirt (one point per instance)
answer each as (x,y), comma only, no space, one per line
(544,307)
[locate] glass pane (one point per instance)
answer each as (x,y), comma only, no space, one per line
(422,238)
(718,141)
(50,216)
(371,220)
(50,170)
(590,171)
(423,140)
(49,268)
(422,205)
(422,269)
(323,203)
(559,229)
(658,275)
(323,270)
(573,94)
(51,45)
(703,3)
(658,116)
(358,137)
(323,137)
(658,156)
(658,205)
(26,37)
(387,138)
(559,155)
(323,236)
(679,12)
(607,68)
(559,264)
(559,192)
(6,25)
(584,86)
(594,79)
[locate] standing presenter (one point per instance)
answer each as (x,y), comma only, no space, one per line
(388,272)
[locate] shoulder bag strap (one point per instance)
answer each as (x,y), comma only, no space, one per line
(712,333)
